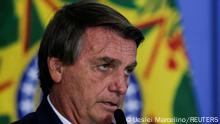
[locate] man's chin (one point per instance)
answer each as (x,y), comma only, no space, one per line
(108,119)
(103,116)
(105,120)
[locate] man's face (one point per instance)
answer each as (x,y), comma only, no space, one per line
(95,85)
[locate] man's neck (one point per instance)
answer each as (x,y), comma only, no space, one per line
(60,116)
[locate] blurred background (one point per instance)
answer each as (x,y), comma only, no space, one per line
(178,63)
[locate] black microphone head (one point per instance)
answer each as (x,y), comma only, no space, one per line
(119,117)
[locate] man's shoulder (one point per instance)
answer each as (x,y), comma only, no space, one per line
(28,119)
(43,115)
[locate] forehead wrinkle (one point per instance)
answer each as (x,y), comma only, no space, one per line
(123,48)
(122,52)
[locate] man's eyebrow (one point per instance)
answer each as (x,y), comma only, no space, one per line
(132,65)
(109,60)
(115,61)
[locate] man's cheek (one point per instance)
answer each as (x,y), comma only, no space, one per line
(97,77)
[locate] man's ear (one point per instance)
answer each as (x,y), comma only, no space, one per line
(55,69)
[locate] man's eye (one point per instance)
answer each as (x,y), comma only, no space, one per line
(128,72)
(104,67)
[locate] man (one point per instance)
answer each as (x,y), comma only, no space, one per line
(85,58)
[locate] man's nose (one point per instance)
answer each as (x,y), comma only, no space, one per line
(119,84)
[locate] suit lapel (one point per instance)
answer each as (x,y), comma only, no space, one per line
(46,115)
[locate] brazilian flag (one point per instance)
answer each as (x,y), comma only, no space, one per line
(161,86)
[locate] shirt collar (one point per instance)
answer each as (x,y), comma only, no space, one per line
(62,118)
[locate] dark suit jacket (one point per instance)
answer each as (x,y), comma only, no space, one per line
(43,115)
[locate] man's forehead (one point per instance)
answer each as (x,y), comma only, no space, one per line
(98,38)
(101,34)
(102,45)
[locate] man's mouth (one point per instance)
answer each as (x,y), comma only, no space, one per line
(111,106)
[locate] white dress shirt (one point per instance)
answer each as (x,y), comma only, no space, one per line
(63,119)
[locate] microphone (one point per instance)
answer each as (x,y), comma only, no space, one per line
(119,117)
